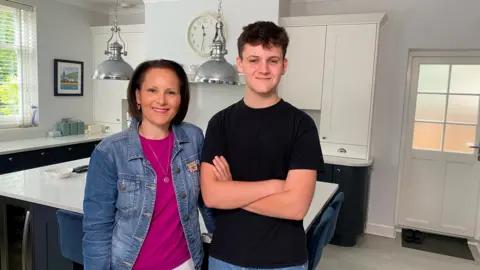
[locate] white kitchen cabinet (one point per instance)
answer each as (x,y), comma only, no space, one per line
(347,85)
(302,83)
(135,45)
(108,100)
(108,94)
(332,66)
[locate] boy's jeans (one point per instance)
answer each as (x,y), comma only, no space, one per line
(215,264)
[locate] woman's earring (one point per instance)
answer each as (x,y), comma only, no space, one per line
(139,107)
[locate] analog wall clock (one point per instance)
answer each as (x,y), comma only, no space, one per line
(201,32)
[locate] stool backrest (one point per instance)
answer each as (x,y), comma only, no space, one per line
(319,238)
(71,235)
(336,205)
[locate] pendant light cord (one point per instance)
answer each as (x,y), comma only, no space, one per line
(116,32)
(219,11)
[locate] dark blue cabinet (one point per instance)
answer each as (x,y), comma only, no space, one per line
(16,247)
(46,244)
(28,231)
(42,157)
(29,237)
(354,182)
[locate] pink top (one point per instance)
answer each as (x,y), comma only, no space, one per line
(165,246)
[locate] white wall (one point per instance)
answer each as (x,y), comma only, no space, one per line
(63,32)
(171,42)
(412,24)
(134,15)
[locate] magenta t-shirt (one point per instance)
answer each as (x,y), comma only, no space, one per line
(165,246)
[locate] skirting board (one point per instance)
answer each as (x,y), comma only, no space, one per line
(381,230)
(475,249)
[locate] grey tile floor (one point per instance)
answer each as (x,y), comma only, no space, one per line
(380,253)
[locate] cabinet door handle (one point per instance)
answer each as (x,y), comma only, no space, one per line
(324,138)
(26,227)
(10,159)
(342,150)
(69,149)
(42,153)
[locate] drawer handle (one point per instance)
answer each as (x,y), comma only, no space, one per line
(42,153)
(342,150)
(10,159)
(324,138)
(69,149)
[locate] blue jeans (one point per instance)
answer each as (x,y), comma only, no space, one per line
(215,264)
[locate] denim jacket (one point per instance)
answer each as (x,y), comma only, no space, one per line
(120,196)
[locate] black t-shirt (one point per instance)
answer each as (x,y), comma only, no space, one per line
(261,144)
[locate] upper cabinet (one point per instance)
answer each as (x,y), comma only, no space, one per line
(108,94)
(302,83)
(331,69)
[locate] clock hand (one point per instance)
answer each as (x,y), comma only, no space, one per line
(203,36)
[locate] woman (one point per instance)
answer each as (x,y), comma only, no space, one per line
(142,190)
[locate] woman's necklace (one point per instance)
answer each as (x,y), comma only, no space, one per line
(165,179)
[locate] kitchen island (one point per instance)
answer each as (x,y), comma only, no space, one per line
(40,196)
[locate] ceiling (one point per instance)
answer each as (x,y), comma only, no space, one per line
(111,2)
(106,6)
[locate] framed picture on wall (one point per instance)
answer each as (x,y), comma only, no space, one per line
(68,77)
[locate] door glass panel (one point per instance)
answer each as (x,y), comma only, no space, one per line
(427,136)
(462,109)
(458,138)
(433,78)
(465,79)
(430,107)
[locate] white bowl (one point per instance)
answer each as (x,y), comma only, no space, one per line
(58,173)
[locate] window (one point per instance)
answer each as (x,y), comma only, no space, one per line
(447,107)
(18,66)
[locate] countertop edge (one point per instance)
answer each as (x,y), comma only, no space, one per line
(351,162)
(41,202)
(51,143)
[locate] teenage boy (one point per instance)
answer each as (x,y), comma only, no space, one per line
(272,152)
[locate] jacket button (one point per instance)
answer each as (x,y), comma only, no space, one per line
(186,218)
(184,195)
(177,170)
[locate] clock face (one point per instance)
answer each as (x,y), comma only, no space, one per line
(201,33)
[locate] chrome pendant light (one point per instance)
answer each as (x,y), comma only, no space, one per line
(217,70)
(114,68)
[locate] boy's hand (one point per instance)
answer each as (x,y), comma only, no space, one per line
(222,169)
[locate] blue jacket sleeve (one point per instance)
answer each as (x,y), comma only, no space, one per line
(207,213)
(99,207)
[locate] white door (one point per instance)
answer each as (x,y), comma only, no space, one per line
(441,168)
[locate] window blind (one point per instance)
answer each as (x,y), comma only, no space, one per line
(18,66)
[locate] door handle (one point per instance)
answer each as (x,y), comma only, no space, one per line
(25,236)
(474,146)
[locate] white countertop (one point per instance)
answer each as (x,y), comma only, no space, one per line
(35,186)
(14,146)
(352,162)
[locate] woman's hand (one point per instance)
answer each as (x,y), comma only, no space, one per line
(222,169)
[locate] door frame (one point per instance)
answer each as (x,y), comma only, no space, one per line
(404,147)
